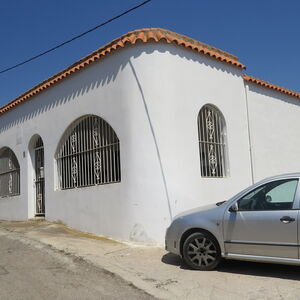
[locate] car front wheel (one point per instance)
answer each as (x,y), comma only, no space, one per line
(201,251)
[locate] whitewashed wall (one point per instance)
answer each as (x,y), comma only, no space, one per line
(275,136)
(151,95)
(176,84)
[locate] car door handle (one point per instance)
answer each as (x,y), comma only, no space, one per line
(287,219)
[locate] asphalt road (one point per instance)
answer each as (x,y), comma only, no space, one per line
(39,272)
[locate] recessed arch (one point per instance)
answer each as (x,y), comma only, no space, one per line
(36,176)
(212,142)
(88,154)
(9,173)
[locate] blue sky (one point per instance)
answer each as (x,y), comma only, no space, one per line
(264,34)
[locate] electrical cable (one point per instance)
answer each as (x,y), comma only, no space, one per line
(74,38)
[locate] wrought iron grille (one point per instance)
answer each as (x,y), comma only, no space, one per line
(9,173)
(89,154)
(212,142)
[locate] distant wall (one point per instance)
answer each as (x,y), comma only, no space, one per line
(275,137)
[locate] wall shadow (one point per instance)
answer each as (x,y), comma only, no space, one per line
(272,94)
(101,73)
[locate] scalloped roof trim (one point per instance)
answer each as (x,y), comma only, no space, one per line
(144,35)
(271,86)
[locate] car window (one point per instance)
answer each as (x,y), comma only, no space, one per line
(275,195)
(282,193)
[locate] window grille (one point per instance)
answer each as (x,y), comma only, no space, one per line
(212,142)
(89,154)
(39,177)
(9,173)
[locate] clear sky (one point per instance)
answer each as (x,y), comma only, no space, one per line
(264,34)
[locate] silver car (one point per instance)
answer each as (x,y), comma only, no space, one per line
(261,223)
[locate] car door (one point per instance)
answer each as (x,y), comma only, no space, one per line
(264,221)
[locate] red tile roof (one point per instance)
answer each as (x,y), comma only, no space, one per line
(143,35)
(271,86)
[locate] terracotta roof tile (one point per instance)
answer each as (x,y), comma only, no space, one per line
(271,86)
(143,35)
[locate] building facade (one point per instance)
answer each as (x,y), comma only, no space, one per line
(150,125)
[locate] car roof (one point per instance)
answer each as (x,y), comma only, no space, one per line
(277,177)
(282,176)
(263,181)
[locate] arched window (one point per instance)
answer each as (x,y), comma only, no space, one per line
(89,154)
(9,173)
(212,142)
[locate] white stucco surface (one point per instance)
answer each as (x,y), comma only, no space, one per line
(274,122)
(151,95)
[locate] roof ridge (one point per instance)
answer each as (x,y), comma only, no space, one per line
(187,39)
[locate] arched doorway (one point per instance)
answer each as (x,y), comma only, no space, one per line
(39,179)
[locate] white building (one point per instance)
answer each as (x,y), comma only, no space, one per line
(143,128)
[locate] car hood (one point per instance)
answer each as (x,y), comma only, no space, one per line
(196,210)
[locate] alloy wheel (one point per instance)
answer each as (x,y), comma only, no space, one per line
(201,251)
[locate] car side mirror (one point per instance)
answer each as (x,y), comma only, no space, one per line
(234,207)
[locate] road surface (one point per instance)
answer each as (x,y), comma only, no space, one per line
(39,272)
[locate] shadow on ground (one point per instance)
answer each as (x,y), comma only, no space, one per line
(244,268)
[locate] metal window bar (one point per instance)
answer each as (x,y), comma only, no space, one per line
(212,142)
(9,174)
(89,155)
(39,178)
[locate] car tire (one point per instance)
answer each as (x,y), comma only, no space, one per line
(201,251)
